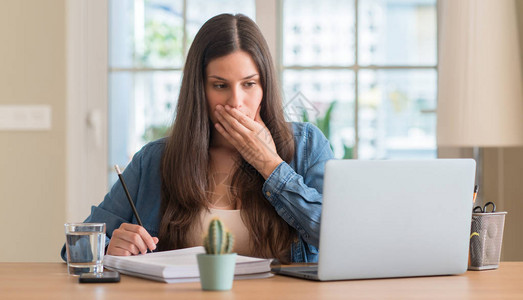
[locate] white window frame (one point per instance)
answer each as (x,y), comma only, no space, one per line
(86,131)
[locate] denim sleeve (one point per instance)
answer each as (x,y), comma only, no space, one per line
(297,197)
(115,209)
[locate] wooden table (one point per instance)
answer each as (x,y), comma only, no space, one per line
(51,281)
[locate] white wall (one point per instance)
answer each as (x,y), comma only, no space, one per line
(32,163)
(502,179)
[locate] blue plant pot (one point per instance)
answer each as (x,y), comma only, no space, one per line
(216,271)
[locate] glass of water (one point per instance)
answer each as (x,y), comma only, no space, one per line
(85,244)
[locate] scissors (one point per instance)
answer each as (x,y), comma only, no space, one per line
(479,209)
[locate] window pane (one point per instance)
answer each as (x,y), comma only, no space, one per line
(121,28)
(313,92)
(146,33)
(159,34)
(318,32)
(397,32)
(199,11)
(396,117)
(141,109)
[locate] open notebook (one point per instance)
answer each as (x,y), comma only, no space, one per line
(181,265)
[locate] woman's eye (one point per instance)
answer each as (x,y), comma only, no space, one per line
(219,86)
(250,84)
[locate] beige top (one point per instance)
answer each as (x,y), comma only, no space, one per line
(232,221)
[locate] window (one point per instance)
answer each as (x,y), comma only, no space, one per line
(374,63)
(148,42)
(370,63)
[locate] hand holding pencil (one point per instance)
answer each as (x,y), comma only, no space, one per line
(130,239)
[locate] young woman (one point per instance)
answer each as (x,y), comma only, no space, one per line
(229,154)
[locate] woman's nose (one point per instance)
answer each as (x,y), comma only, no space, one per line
(236,97)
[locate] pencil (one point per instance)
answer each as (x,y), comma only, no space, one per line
(129,197)
(476,190)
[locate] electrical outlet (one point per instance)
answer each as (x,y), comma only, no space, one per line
(25,117)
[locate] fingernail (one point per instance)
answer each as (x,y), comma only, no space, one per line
(219,107)
(227,107)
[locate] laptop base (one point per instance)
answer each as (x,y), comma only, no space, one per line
(305,272)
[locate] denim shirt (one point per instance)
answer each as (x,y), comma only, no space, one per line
(294,189)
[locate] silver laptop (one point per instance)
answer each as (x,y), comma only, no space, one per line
(384,219)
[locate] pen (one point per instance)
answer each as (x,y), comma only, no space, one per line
(129,198)
(476,190)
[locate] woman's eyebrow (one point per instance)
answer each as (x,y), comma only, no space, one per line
(250,76)
(223,79)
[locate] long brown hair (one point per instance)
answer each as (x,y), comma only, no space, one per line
(185,161)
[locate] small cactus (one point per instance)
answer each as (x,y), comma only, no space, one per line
(218,240)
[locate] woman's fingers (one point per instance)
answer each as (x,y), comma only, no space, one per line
(233,127)
(251,138)
(142,238)
(242,118)
(131,239)
(238,125)
(118,246)
(118,252)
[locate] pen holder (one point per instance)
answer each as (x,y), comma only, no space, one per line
(486,235)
